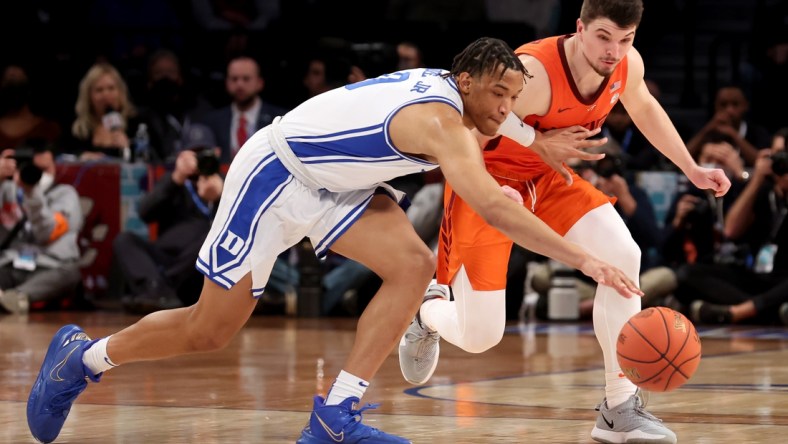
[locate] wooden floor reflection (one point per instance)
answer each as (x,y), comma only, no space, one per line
(540,385)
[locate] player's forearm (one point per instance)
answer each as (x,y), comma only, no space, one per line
(531,233)
(656,126)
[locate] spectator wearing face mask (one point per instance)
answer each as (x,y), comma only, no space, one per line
(38,262)
(694,223)
(171,106)
(755,291)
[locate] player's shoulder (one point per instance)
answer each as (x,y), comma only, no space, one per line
(536,69)
(531,62)
(633,56)
(426,128)
(635,67)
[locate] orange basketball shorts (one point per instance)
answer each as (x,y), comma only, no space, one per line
(467,240)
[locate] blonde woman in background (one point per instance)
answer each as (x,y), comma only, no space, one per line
(103,111)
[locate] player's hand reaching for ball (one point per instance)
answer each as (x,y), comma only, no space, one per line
(559,145)
(606,274)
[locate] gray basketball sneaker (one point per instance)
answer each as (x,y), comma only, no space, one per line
(419,347)
(630,423)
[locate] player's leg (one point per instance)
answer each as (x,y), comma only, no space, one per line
(611,310)
(383,240)
(252,187)
(621,415)
(473,257)
(584,215)
(73,356)
(208,325)
(475,321)
(256,220)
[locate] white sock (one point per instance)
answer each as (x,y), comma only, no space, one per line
(611,312)
(346,386)
(618,388)
(96,359)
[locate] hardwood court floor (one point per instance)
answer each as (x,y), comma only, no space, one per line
(540,385)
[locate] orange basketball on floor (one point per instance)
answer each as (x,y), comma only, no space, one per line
(658,349)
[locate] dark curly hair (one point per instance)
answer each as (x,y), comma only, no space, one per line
(485,56)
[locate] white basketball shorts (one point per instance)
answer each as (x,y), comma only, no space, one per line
(264,210)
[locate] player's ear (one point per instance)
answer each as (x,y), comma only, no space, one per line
(464,82)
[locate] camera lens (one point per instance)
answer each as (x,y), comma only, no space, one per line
(207,163)
(780,163)
(29,173)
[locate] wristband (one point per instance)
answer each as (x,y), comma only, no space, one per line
(514,128)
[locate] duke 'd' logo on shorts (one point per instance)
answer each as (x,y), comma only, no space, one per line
(232,243)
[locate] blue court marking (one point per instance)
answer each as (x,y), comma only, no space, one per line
(720,332)
(416,391)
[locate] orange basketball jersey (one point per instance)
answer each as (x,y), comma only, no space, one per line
(509,159)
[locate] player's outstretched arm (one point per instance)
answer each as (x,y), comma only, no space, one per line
(555,146)
(453,146)
(652,120)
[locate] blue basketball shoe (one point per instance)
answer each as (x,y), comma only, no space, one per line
(342,424)
(62,378)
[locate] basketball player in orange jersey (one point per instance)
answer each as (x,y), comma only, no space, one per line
(577,79)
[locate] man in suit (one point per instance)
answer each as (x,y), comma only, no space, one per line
(246,113)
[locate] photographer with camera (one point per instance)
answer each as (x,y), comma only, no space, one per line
(38,261)
(694,223)
(636,151)
(731,117)
(160,273)
(756,291)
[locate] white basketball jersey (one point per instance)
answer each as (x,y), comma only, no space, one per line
(341,137)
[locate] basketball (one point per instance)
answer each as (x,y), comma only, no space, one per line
(658,349)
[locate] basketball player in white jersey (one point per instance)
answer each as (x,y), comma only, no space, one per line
(319,172)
